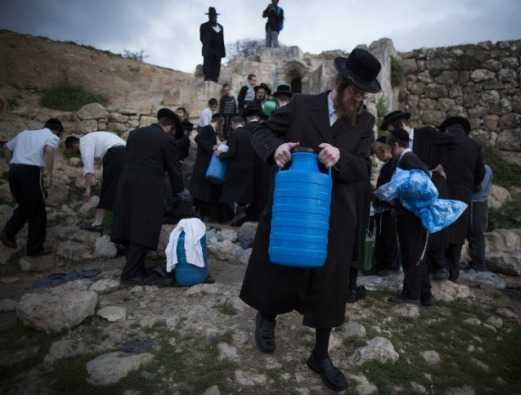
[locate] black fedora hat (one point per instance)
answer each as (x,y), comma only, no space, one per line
(393,117)
(166,113)
(283,89)
(212,11)
(362,68)
(456,120)
(263,86)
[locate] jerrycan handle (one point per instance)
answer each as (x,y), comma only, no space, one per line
(296,149)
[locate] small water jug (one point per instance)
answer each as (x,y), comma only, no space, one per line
(300,214)
(216,169)
(187,274)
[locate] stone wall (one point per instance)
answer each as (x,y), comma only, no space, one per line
(480,81)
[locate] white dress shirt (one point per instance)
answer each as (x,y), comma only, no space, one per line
(205,118)
(331,109)
(411,138)
(27,147)
(94,146)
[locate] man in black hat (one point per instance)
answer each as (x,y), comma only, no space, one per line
(31,153)
(463,163)
(283,95)
(428,145)
(238,188)
(139,207)
(207,194)
(337,126)
(247,92)
(412,236)
(212,38)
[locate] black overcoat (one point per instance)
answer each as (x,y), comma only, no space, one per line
(462,160)
(317,293)
(213,42)
(138,211)
(238,185)
(200,188)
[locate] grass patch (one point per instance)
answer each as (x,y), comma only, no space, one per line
(505,174)
(69,98)
(507,217)
(397,72)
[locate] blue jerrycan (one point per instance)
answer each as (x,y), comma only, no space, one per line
(216,170)
(300,213)
(187,274)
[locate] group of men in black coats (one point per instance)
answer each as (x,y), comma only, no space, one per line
(455,163)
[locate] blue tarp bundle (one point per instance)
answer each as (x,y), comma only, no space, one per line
(416,192)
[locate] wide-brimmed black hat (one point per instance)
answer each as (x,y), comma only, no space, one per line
(263,86)
(393,117)
(254,109)
(283,89)
(456,120)
(362,68)
(400,135)
(212,11)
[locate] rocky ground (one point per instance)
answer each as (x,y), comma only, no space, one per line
(94,336)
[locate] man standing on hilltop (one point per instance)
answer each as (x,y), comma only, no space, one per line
(212,38)
(275,23)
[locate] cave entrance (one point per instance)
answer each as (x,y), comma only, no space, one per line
(296,84)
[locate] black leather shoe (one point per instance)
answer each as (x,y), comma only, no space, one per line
(331,376)
(264,334)
(7,241)
(440,275)
(427,302)
(354,295)
(400,299)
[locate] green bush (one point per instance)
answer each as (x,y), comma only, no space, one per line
(505,174)
(507,217)
(397,72)
(69,98)
(381,111)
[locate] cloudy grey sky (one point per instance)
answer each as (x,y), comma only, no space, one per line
(168,30)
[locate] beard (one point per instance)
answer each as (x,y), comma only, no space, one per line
(347,109)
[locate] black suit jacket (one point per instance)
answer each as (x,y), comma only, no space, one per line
(213,42)
(138,212)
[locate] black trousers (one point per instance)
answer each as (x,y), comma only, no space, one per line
(386,243)
(211,68)
(412,238)
(25,183)
(135,266)
(113,163)
(453,256)
(477,228)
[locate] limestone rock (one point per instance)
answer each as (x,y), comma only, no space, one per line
(378,349)
(213,390)
(74,251)
(465,390)
(495,322)
(113,313)
(145,121)
(250,379)
(105,248)
(8,305)
(431,357)
(363,386)
(506,264)
(509,140)
(89,206)
(498,197)
(65,348)
(110,368)
(59,308)
(105,285)
(482,75)
(483,279)
(246,234)
(354,329)
(5,193)
(92,111)
(447,291)
(406,311)
(227,352)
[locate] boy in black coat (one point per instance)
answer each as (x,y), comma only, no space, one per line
(412,236)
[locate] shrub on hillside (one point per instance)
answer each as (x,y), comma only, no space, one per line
(505,174)
(69,98)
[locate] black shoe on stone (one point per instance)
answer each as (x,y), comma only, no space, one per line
(8,241)
(400,299)
(264,334)
(354,295)
(427,302)
(132,282)
(440,275)
(209,280)
(331,376)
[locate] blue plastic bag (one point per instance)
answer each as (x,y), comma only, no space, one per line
(416,192)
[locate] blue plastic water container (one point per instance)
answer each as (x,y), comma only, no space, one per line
(216,170)
(187,274)
(300,214)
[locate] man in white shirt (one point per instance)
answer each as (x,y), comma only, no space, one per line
(205,117)
(29,153)
(110,148)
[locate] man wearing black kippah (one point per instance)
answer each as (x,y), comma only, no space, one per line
(412,236)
